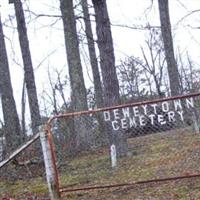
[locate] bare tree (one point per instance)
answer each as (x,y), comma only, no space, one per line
(56,89)
(189,74)
(28,66)
(130,78)
(60,88)
(92,53)
(154,62)
(108,69)
(23,109)
(168,45)
(98,91)
(53,95)
(81,138)
(11,120)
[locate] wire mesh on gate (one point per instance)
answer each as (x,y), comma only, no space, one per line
(169,128)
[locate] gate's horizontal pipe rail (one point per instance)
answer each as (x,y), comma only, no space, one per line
(73,114)
(65,190)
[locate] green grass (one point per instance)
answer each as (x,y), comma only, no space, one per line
(20,189)
(153,156)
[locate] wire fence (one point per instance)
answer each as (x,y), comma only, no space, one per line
(162,140)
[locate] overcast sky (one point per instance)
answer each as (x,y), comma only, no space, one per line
(49,40)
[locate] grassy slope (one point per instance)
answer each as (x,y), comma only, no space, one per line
(153,156)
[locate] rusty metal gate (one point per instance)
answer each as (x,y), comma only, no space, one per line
(80,144)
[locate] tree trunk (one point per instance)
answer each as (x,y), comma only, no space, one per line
(11,120)
(93,57)
(107,58)
(78,94)
(28,67)
(168,46)
(23,109)
(108,69)
(102,137)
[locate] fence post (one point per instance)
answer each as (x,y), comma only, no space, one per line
(113,156)
(49,168)
(196,126)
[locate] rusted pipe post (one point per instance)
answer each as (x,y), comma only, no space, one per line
(48,161)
